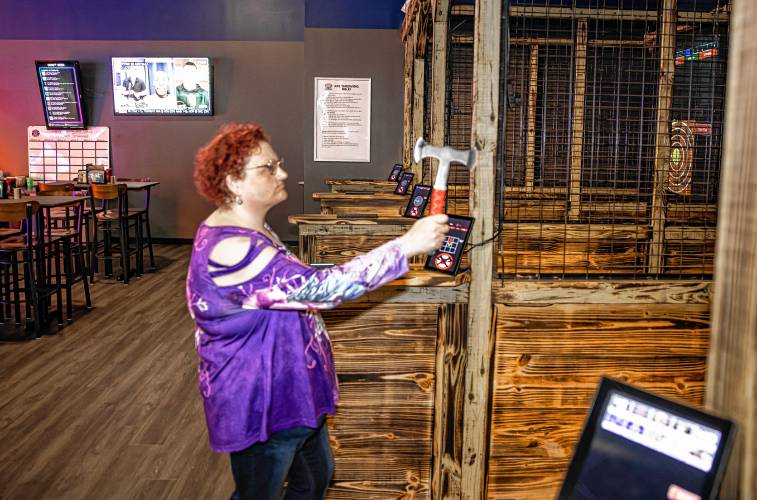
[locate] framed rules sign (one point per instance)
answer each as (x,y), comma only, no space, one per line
(342,117)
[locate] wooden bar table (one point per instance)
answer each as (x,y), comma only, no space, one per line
(46,202)
(360,186)
(333,239)
(130,185)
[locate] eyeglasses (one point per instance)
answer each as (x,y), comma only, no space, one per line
(272,166)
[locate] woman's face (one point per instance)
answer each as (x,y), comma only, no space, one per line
(261,187)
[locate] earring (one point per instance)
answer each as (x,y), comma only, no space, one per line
(238,199)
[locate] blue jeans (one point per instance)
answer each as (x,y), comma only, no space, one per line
(300,455)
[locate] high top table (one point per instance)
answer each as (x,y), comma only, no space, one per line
(130,185)
(145,186)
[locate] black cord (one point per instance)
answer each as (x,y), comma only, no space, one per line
(471,247)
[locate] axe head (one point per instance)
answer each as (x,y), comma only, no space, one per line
(418,150)
(444,154)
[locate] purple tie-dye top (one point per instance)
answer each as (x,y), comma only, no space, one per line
(265,356)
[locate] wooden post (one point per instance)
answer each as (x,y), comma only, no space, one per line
(419,73)
(662,146)
(732,364)
(448,401)
(533,85)
(577,144)
(407,149)
(438,78)
(486,69)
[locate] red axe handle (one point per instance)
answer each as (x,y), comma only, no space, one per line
(438,196)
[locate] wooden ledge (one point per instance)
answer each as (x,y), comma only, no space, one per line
(343,196)
(418,276)
(333,220)
(601,292)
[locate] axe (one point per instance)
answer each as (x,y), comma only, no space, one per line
(445,155)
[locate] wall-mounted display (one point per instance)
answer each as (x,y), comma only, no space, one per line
(60,87)
(162,86)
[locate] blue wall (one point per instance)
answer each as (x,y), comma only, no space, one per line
(221,20)
(372,14)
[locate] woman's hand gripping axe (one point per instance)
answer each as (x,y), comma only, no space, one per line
(445,155)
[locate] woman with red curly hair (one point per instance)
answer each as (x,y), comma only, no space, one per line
(266,373)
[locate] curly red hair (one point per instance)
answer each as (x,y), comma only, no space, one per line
(225,155)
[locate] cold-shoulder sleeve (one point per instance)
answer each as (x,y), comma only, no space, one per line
(288,284)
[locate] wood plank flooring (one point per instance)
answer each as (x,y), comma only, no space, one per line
(108,408)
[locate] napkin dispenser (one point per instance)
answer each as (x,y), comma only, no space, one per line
(95,174)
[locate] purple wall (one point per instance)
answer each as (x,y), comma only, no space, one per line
(259,54)
(258,20)
(255,81)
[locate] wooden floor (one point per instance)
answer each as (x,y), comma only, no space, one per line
(108,408)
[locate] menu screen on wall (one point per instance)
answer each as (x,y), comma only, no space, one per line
(60,86)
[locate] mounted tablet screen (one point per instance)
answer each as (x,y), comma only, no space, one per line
(418,200)
(447,258)
(638,446)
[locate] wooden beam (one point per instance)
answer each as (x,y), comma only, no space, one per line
(409,61)
(485,117)
(448,401)
(732,363)
(662,146)
(438,79)
(419,74)
(602,292)
(577,142)
(424,30)
(721,15)
(465,39)
(533,83)
(678,234)
(559,232)
(350,230)
(418,295)
(408,22)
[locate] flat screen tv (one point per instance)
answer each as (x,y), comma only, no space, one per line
(162,86)
(638,446)
(60,87)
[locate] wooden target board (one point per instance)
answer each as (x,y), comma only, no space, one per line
(681,160)
(681,163)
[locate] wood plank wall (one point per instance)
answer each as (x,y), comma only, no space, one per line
(382,432)
(554,341)
(609,237)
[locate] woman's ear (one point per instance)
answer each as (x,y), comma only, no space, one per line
(234,186)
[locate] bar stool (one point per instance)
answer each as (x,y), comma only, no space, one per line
(68,229)
(110,204)
(59,214)
(144,216)
(30,245)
